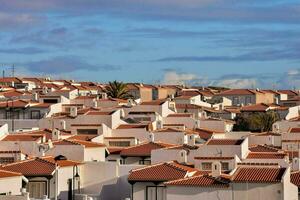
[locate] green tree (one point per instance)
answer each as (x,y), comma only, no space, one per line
(262,122)
(118,90)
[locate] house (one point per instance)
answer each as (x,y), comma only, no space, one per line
(241,97)
(42,173)
(10,182)
(148,182)
(141,153)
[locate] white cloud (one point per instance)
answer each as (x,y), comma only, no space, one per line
(238,83)
(174,78)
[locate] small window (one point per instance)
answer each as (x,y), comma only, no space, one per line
(225,166)
(206,166)
(35,114)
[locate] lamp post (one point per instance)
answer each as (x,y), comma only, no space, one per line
(56,159)
(76,178)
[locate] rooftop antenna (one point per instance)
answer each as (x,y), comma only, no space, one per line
(13,70)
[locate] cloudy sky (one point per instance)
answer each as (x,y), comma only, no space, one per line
(235,43)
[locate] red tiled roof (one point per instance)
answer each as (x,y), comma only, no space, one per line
(160,172)
(266,155)
(238,92)
(143,149)
(255,108)
(224,142)
(295,178)
(82,137)
(201,181)
(23,137)
(262,148)
(154,103)
(131,126)
(258,174)
(6,174)
(86,144)
(44,166)
(294,130)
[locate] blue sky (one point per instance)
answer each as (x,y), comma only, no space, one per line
(233,43)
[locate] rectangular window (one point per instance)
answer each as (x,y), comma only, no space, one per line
(206,165)
(35,114)
(12,115)
(225,166)
(6,160)
(37,189)
(155,193)
(119,143)
(87,131)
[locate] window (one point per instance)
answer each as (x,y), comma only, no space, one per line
(155,193)
(37,189)
(6,160)
(50,101)
(225,166)
(248,100)
(145,162)
(206,166)
(12,114)
(35,114)
(119,143)
(87,131)
(236,101)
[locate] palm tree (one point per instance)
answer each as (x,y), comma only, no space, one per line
(265,121)
(117,90)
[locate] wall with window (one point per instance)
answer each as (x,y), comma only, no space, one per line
(11,185)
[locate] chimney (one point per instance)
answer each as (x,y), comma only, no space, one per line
(103,95)
(151,137)
(95,103)
(45,90)
(182,156)
(73,111)
(55,134)
(197,123)
(191,140)
(159,124)
(12,84)
(62,124)
(35,96)
(216,169)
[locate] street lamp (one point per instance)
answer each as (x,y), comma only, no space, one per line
(56,159)
(76,178)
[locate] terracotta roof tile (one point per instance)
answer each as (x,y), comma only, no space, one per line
(86,144)
(258,174)
(262,148)
(161,172)
(180,115)
(201,181)
(266,155)
(23,137)
(224,142)
(131,126)
(6,174)
(295,178)
(144,149)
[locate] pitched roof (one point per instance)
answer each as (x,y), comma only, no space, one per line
(161,172)
(144,149)
(258,174)
(295,178)
(86,144)
(255,108)
(154,102)
(6,174)
(224,142)
(201,181)
(130,126)
(262,148)
(23,137)
(180,115)
(237,92)
(294,130)
(44,166)
(266,155)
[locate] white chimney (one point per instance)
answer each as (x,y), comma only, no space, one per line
(95,103)
(73,111)
(216,169)
(159,124)
(191,140)
(62,124)
(182,158)
(12,84)
(197,123)
(151,137)
(56,134)
(35,96)
(45,90)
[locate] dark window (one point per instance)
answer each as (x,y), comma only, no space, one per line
(119,143)
(50,101)
(35,114)
(12,114)
(87,131)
